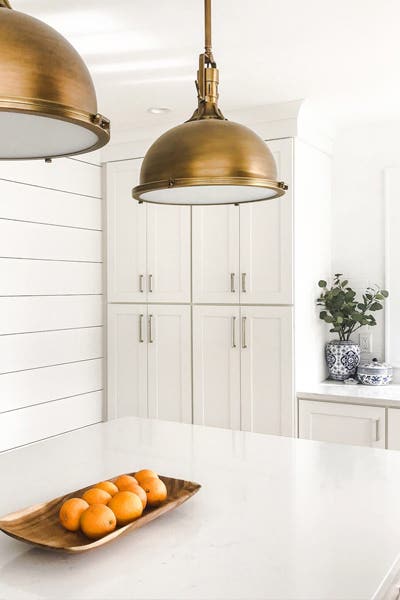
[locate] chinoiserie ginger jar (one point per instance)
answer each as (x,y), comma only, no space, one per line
(342,358)
(374,373)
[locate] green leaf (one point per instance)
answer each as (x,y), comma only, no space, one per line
(344,283)
(376,306)
(322,283)
(385,293)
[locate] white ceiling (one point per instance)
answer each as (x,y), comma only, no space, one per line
(343,56)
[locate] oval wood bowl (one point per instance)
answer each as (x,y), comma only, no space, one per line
(39,524)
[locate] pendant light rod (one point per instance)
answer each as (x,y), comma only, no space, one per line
(207,23)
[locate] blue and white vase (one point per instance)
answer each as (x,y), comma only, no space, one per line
(342,359)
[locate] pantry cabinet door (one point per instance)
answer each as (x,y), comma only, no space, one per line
(169,362)
(342,423)
(267,397)
(266,240)
(216,366)
(127,360)
(215,233)
(126,234)
(168,253)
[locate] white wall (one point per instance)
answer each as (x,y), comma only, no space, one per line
(358,237)
(51,308)
(312,252)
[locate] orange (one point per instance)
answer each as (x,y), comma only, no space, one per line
(96,496)
(98,520)
(155,490)
(107,486)
(141,493)
(126,506)
(70,513)
(125,483)
(145,474)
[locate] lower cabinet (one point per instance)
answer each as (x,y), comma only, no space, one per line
(242,368)
(393,429)
(359,425)
(149,370)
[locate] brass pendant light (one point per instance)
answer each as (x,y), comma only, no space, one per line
(48,105)
(208,159)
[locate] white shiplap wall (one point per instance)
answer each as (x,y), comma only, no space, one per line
(51,303)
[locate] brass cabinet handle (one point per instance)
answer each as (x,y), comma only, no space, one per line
(150,283)
(141,340)
(150,333)
(243,282)
(244,344)
(233,332)
(233,283)
(141,283)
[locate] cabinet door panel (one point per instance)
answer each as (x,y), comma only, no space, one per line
(127,360)
(342,423)
(267,395)
(266,240)
(126,234)
(168,253)
(215,232)
(393,442)
(216,366)
(169,363)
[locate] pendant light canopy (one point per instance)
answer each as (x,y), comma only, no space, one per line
(48,105)
(208,159)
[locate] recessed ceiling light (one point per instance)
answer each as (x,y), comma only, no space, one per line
(155,110)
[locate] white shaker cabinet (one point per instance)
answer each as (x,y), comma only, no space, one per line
(127,360)
(244,253)
(168,253)
(149,352)
(216,366)
(148,245)
(266,369)
(266,240)
(169,362)
(242,368)
(127,223)
(393,429)
(215,232)
(358,425)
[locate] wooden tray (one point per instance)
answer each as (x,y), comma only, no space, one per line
(39,524)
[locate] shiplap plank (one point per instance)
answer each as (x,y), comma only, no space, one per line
(39,205)
(21,315)
(37,422)
(62,174)
(31,240)
(26,388)
(32,350)
(32,277)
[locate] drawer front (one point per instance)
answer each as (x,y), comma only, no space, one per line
(342,423)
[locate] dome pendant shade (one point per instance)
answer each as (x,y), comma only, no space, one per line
(48,105)
(208,159)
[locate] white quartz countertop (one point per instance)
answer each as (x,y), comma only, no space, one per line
(379,395)
(276,517)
